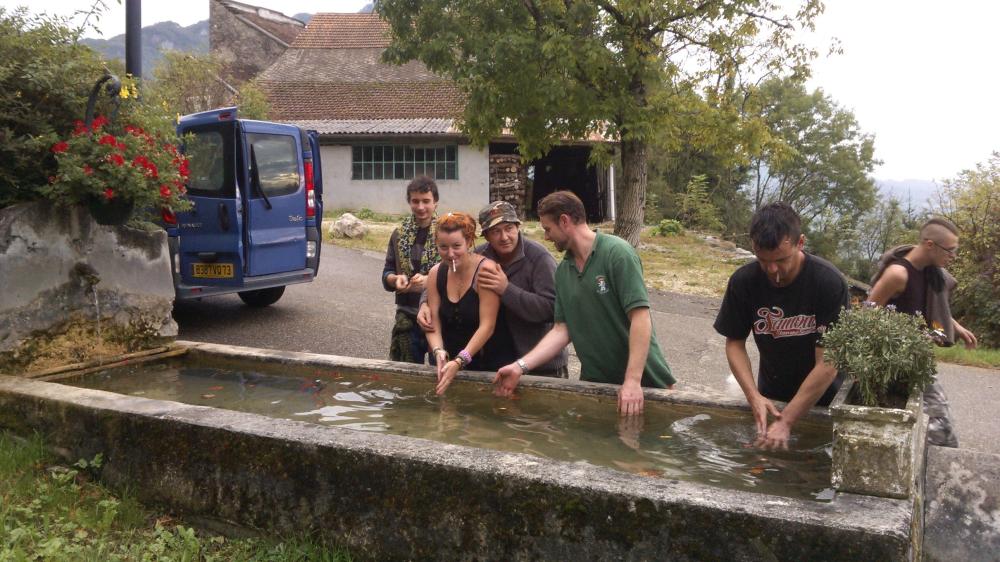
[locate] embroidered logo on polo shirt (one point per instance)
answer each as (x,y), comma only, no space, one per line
(773,322)
(602,284)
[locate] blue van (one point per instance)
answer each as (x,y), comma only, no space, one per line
(257,190)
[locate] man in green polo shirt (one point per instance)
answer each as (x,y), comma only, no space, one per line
(601,306)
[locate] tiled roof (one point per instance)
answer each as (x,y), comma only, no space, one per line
(344,31)
(292,101)
(333,71)
(380,126)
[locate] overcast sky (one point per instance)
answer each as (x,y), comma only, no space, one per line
(918,74)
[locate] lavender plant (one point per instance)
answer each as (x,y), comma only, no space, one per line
(888,353)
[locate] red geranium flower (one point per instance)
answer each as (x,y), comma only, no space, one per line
(108,140)
(116,159)
(109,194)
(87,170)
(60,147)
(98,122)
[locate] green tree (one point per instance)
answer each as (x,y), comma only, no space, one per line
(855,245)
(187,83)
(716,142)
(548,70)
(696,207)
(972,202)
(45,78)
(819,161)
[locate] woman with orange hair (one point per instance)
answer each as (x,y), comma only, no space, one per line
(467,315)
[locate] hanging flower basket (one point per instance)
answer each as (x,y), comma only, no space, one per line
(118,173)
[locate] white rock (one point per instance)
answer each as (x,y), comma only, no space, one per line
(348,226)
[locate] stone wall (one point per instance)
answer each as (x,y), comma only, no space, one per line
(58,265)
(243,46)
(962,505)
(509,181)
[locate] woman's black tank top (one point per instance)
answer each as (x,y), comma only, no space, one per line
(459,320)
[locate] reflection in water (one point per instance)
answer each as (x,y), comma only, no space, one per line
(667,441)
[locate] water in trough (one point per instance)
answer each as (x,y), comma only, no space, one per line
(708,445)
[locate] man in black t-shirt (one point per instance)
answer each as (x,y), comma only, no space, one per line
(787,299)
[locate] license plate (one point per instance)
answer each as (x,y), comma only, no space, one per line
(213,270)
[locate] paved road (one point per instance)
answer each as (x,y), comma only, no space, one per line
(346,312)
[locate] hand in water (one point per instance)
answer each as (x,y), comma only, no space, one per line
(776,437)
(446,374)
(761,407)
(630,399)
(629,430)
(506,380)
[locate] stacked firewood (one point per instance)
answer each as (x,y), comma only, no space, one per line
(508,181)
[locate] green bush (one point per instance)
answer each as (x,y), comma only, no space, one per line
(668,227)
(887,352)
(45,79)
(696,208)
(970,201)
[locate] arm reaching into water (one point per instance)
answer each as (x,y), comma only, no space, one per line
(508,376)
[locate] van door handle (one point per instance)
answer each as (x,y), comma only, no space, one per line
(223,217)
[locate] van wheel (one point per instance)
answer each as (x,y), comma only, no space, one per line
(262,297)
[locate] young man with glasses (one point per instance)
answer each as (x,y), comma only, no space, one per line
(914,280)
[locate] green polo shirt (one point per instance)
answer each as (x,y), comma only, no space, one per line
(594,305)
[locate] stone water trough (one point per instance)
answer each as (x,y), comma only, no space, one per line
(396,497)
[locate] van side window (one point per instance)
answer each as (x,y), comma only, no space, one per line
(277,162)
(208,170)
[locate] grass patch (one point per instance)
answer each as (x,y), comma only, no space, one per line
(682,263)
(979,357)
(685,264)
(49,511)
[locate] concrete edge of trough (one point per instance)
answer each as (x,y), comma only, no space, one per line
(194,458)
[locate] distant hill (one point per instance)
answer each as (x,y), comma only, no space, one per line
(916,191)
(156,38)
(161,37)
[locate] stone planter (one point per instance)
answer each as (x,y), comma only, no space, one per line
(110,212)
(876,451)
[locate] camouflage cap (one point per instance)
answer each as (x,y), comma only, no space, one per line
(496,213)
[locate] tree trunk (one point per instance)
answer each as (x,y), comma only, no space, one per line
(632,199)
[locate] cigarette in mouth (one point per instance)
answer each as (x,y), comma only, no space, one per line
(777,278)
(454,268)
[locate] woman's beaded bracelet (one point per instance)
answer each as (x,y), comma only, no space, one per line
(465,356)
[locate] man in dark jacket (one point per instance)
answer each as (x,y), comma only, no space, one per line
(525,283)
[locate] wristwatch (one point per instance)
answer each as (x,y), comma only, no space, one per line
(523,366)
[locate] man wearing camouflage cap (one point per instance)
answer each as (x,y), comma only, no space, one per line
(526,283)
